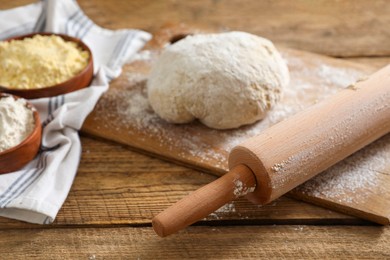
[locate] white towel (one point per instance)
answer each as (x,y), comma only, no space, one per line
(36,193)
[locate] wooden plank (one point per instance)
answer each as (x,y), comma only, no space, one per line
(313,78)
(327,27)
(254,242)
(375,62)
(320,26)
(116,186)
(98,169)
(123,115)
(16,3)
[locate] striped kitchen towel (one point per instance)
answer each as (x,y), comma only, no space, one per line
(36,193)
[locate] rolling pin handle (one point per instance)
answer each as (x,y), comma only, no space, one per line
(199,204)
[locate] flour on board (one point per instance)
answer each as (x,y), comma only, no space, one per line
(126,107)
(222,211)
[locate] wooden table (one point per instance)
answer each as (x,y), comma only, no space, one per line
(117,191)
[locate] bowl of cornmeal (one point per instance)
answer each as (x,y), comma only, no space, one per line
(20,133)
(44,65)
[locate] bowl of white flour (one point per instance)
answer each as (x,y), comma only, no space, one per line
(20,132)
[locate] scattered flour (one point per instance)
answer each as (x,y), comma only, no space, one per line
(125,106)
(299,228)
(354,179)
(240,189)
(225,209)
(128,107)
(278,167)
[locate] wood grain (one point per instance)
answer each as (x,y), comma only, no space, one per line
(115,178)
(204,201)
(239,242)
(342,29)
(117,186)
(313,77)
(123,115)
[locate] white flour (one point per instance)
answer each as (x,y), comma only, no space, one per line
(353,179)
(16,122)
(223,211)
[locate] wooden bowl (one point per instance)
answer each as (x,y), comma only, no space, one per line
(79,81)
(18,156)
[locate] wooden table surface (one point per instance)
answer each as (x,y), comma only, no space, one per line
(117,191)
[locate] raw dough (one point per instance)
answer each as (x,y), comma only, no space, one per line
(225,80)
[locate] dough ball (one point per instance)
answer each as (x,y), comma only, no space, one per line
(225,80)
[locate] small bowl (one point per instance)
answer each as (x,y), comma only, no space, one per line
(18,156)
(79,81)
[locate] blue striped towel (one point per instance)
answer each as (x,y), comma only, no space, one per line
(36,193)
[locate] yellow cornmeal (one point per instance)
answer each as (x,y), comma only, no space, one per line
(40,61)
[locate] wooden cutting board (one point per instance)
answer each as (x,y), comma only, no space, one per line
(359,185)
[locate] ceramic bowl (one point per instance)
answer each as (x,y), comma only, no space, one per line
(79,81)
(18,156)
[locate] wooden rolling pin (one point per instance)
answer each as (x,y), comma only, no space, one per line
(289,153)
